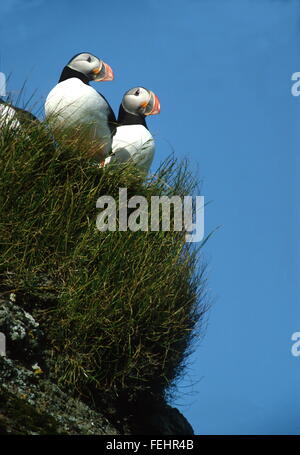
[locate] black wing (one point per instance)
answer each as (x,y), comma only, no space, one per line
(112,121)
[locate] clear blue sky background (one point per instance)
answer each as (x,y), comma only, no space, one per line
(222,69)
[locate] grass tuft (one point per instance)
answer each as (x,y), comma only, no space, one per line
(129,304)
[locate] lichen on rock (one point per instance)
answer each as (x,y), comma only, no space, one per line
(33,404)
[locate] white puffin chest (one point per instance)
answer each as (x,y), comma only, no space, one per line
(133,142)
(72,102)
(8,117)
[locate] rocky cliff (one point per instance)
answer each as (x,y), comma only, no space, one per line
(99,323)
(31,403)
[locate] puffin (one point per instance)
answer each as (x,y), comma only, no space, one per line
(14,117)
(132,140)
(74,103)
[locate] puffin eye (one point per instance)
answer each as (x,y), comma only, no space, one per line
(137,92)
(89,59)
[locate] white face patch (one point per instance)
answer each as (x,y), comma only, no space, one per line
(85,63)
(136,100)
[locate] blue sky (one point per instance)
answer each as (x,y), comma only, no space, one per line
(222,70)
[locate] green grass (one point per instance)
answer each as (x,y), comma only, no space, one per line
(129,304)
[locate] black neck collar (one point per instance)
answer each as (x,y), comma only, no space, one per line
(124,118)
(68,72)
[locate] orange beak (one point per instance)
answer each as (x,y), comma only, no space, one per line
(109,74)
(103,73)
(153,106)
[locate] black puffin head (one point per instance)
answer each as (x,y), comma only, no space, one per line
(87,67)
(136,104)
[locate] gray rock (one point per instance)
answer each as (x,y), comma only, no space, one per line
(21,331)
(32,403)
